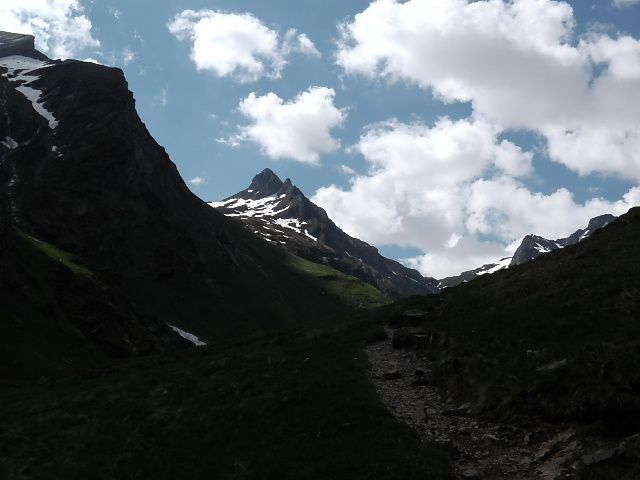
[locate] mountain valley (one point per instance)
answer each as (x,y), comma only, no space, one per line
(147,333)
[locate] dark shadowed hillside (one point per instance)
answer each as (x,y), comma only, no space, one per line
(80,173)
(556,338)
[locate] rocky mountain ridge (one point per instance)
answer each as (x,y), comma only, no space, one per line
(282,215)
(531,247)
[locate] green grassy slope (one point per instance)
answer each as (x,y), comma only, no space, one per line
(558,338)
(345,288)
(294,406)
(72,262)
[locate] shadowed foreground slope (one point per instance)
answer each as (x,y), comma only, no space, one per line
(294,406)
(81,178)
(557,338)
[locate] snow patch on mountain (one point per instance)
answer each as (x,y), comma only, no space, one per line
(263,207)
(10,143)
(20,69)
(267,208)
(188,336)
(542,248)
(500,265)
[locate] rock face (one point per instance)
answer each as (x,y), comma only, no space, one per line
(80,172)
(16,44)
(281,214)
(531,247)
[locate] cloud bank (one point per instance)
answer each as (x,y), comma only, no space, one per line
(519,65)
(456,189)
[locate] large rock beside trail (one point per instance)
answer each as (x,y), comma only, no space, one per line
(410,338)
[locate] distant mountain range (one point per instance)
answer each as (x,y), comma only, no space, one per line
(282,215)
(531,247)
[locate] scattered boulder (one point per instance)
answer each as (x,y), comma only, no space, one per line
(603,456)
(423,381)
(411,338)
(553,366)
(553,469)
(422,378)
(471,474)
(392,374)
(628,448)
(553,445)
(408,318)
(461,411)
(377,335)
(632,446)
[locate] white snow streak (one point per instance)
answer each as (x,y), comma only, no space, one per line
(10,143)
(500,265)
(188,336)
(541,248)
(19,68)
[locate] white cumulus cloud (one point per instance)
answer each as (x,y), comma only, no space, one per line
(60,28)
(456,189)
(451,190)
(299,129)
(238,45)
(520,65)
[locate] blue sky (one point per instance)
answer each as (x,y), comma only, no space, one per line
(535,172)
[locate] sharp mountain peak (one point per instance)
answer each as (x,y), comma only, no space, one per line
(267,184)
(281,214)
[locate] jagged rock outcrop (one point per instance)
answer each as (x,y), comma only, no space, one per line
(531,247)
(16,44)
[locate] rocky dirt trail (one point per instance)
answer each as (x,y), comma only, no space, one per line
(479,450)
